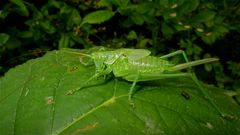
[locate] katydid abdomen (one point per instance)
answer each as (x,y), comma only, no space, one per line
(148,64)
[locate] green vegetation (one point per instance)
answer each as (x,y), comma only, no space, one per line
(33,102)
(32,95)
(202,28)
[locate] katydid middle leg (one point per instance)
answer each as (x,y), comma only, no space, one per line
(130,93)
(195,79)
(147,77)
(96,75)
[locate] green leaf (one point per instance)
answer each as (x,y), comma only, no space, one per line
(137,19)
(234,67)
(21,9)
(167,30)
(220,29)
(47,27)
(139,8)
(74,19)
(33,101)
(104,3)
(163,3)
(97,17)
(188,6)
(203,16)
(5,11)
(132,35)
(3,38)
(122,3)
(65,9)
(56,4)
(36,14)
(210,37)
(142,43)
(64,41)
(25,34)
(12,43)
(208,67)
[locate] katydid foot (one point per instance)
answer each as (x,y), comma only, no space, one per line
(71,92)
(131,103)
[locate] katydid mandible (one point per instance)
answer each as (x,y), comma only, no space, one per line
(136,65)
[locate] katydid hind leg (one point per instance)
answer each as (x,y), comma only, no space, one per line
(203,90)
(174,54)
(154,76)
(206,96)
(136,78)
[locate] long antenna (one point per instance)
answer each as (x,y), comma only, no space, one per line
(78,53)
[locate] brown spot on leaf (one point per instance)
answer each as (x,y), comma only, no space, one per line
(72,69)
(84,129)
(49,100)
(185,95)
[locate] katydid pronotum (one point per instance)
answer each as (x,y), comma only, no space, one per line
(136,65)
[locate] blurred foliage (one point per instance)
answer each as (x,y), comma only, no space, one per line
(202,28)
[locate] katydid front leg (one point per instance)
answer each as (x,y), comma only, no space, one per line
(98,74)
